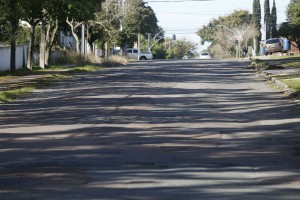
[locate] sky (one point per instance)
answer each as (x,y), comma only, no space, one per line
(185,17)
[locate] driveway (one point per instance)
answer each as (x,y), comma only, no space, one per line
(173,130)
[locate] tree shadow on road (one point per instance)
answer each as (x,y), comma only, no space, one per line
(158,131)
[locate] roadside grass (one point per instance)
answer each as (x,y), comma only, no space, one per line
(26,87)
(86,68)
(47,76)
(284,57)
(292,64)
(20,72)
(292,81)
(10,95)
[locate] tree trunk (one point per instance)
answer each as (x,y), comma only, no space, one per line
(30,48)
(73,30)
(43,45)
(13,54)
(50,39)
(91,45)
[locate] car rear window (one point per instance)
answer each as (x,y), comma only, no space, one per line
(204,54)
(272,41)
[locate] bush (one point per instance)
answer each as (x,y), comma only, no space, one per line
(113,61)
(259,65)
(69,58)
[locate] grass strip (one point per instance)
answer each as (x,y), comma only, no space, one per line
(10,95)
(87,68)
(292,64)
(27,87)
(292,81)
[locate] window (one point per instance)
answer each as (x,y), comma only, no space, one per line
(272,41)
(135,51)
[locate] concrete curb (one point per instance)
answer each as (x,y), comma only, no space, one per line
(288,91)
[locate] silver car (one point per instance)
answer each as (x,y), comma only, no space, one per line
(273,45)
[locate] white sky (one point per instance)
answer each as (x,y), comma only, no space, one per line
(185,17)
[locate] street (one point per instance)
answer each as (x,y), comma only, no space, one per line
(167,130)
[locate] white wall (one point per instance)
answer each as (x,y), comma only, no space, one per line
(21,57)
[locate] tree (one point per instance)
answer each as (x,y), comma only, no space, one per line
(232,40)
(224,31)
(78,13)
(256,20)
(109,23)
(123,22)
(291,28)
(267,18)
(179,48)
(159,51)
(238,17)
(293,12)
(11,14)
(139,19)
(273,21)
(32,15)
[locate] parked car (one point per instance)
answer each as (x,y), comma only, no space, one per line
(273,45)
(138,54)
(205,55)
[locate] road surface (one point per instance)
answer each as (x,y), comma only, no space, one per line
(178,130)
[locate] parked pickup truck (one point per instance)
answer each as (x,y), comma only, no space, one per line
(137,54)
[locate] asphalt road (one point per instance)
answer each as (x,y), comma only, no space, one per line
(176,130)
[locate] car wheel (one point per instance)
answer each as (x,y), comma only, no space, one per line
(143,58)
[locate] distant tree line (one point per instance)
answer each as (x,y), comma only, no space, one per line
(108,23)
(239,20)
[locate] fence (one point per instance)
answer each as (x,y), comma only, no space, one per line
(21,57)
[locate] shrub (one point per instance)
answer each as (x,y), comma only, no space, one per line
(112,61)
(68,58)
(259,65)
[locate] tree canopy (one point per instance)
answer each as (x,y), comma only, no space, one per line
(237,18)
(291,28)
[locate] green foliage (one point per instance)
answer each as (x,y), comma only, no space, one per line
(181,48)
(293,12)
(256,15)
(259,65)
(290,31)
(172,54)
(21,36)
(273,21)
(256,20)
(140,18)
(81,10)
(10,95)
(267,17)
(292,81)
(159,51)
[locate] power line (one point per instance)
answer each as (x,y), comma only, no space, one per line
(189,13)
(174,1)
